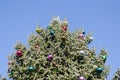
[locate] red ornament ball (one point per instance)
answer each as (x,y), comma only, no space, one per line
(64,28)
(19,53)
(49,57)
(10,63)
(81,36)
(36,46)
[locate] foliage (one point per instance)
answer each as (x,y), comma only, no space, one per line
(55,53)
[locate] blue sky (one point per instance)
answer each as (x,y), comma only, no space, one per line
(101,17)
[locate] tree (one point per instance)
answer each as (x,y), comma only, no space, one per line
(117,75)
(55,53)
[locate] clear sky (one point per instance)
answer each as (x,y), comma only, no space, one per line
(101,17)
